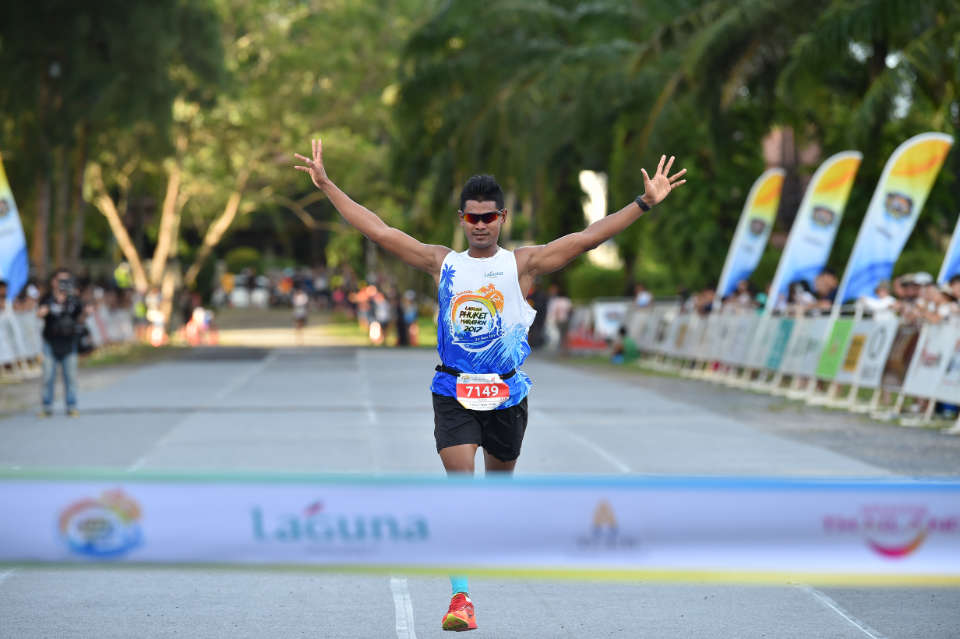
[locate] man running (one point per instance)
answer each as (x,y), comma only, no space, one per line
(479,396)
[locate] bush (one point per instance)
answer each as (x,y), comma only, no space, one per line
(242,257)
(586,281)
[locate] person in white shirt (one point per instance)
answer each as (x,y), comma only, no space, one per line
(882,305)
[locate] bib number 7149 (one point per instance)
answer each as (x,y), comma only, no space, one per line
(478,391)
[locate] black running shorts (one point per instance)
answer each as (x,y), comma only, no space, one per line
(500,432)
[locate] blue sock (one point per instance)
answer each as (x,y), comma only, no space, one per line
(459,584)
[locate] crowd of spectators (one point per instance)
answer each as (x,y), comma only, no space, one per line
(377,303)
(913,297)
(94,293)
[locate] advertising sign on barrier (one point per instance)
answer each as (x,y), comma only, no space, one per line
(693,337)
(929,361)
(834,349)
(738,349)
(7,352)
(948,390)
(847,372)
(760,344)
(608,317)
(728,335)
(780,342)
(901,352)
(678,343)
(805,347)
(30,330)
(711,334)
(648,329)
(876,350)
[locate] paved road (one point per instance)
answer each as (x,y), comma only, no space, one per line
(367,410)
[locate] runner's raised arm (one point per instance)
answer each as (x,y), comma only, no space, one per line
(426,257)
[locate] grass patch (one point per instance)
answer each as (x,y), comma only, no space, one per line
(343,326)
(130,353)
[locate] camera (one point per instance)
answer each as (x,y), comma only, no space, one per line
(65,285)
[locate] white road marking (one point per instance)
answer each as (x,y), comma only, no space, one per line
(372,419)
(612,459)
(403,607)
(365,388)
(834,606)
(246,377)
(226,390)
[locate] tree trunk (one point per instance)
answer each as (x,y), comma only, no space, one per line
(167,289)
(108,207)
(61,223)
(169,223)
(41,224)
(214,234)
(78,206)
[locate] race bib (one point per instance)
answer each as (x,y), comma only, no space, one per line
(481,391)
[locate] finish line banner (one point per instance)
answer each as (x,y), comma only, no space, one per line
(734,530)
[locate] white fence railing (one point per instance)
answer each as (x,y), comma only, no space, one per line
(21,341)
(815,359)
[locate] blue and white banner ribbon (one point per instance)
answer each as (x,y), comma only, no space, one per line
(669,528)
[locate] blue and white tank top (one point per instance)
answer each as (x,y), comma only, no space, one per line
(483,321)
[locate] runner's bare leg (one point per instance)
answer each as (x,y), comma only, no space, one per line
(459,458)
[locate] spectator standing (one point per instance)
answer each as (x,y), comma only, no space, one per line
(300,302)
(825,288)
(559,308)
(882,305)
(410,313)
(954,285)
(62,312)
(641,296)
(400,319)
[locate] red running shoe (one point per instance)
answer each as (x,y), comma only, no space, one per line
(460,616)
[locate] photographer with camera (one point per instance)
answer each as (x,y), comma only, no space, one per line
(63,314)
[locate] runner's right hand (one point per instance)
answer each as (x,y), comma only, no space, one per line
(314,166)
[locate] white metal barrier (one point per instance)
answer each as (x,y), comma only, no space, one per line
(817,359)
(21,342)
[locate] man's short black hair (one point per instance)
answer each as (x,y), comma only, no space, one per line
(482,188)
(954,279)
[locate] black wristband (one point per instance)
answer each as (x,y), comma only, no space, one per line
(643,205)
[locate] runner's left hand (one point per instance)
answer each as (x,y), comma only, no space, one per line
(658,187)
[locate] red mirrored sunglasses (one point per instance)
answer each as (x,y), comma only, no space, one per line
(476,218)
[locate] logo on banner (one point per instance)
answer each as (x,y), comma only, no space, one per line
(823,217)
(316,526)
(853,353)
(102,528)
(4,207)
(952,374)
(475,318)
(892,531)
(929,358)
(757,226)
(898,206)
(605,533)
